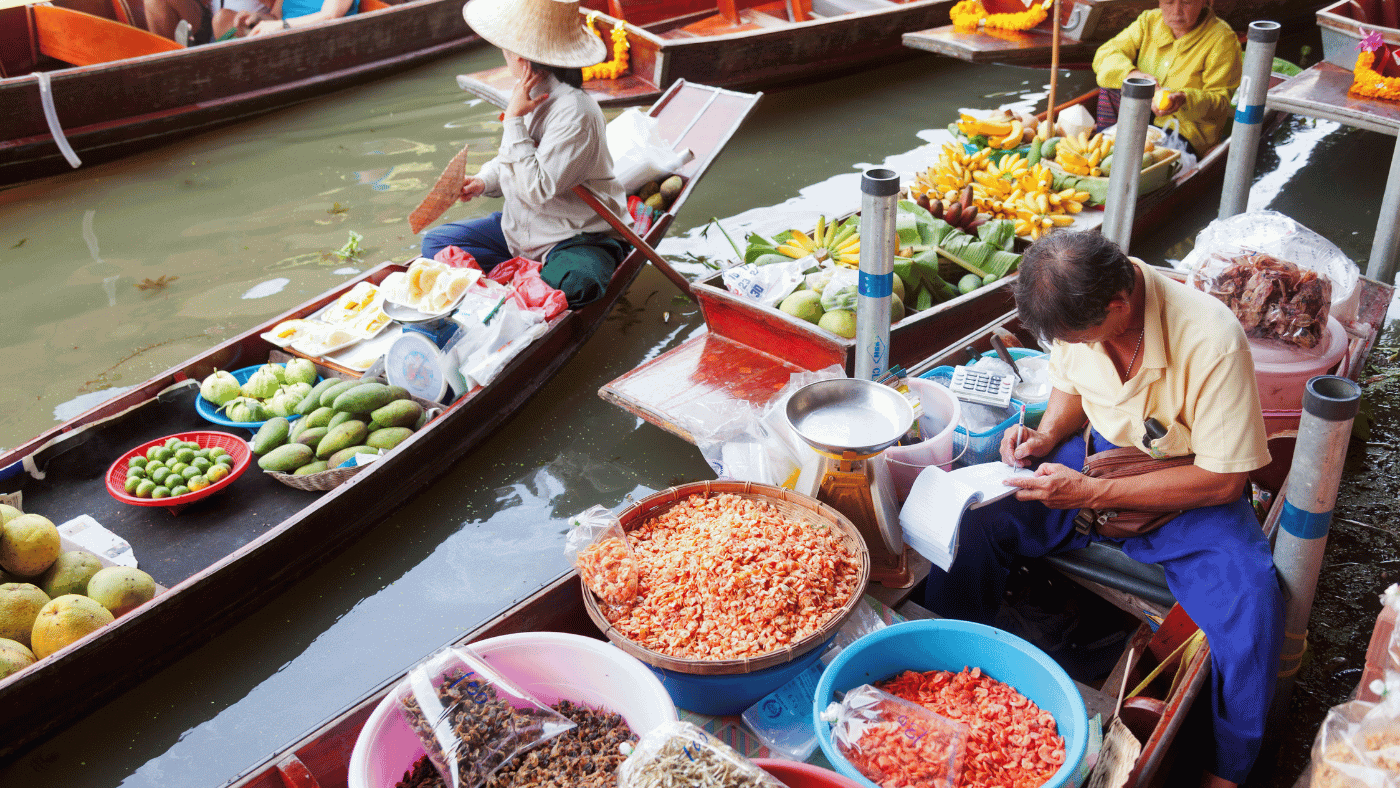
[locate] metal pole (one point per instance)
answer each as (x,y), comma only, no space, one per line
(1134,113)
(1386,242)
(1330,404)
(1249,117)
(879,194)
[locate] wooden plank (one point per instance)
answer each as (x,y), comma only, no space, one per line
(83,39)
(1321,92)
(997,46)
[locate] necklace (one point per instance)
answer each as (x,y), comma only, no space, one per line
(1129,369)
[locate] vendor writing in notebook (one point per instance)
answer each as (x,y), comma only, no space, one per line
(1129,345)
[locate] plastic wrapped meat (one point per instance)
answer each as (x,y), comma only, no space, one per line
(1273,298)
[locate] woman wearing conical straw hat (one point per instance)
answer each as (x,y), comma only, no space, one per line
(553,141)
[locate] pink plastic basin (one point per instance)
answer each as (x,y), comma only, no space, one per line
(552,666)
(1283,370)
(804,775)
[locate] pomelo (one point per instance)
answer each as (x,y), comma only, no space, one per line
(121,589)
(896,307)
(804,305)
(8,513)
(70,573)
(65,620)
(29,544)
(14,657)
(20,604)
(899,289)
(841,322)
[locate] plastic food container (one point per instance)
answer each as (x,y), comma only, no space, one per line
(946,644)
(549,665)
(973,448)
(804,775)
(940,408)
(1282,370)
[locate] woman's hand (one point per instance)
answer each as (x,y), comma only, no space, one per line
(1164,103)
(1057,486)
(265,27)
(1019,444)
(472,188)
(520,102)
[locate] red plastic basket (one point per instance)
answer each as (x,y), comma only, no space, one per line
(237,448)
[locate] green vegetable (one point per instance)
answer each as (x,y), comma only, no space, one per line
(968,283)
(1047,148)
(924,300)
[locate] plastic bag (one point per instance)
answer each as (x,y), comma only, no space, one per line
(1173,140)
(1274,234)
(895,742)
(471,719)
(456,257)
(597,545)
(531,291)
(484,349)
(638,152)
(840,291)
(767,284)
(681,754)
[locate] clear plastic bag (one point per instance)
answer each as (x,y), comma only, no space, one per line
(681,754)
(597,545)
(766,284)
(471,719)
(1298,313)
(896,743)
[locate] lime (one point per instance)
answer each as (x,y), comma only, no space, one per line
(172,443)
(184,454)
(135,470)
(164,453)
(143,490)
(203,453)
(190,472)
(216,473)
(159,474)
(137,462)
(201,463)
(215,452)
(160,492)
(153,452)
(176,492)
(132,482)
(198,483)
(178,467)
(223,459)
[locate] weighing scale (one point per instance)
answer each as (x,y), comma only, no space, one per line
(416,359)
(848,422)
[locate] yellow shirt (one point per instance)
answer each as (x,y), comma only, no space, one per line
(1205,65)
(1196,378)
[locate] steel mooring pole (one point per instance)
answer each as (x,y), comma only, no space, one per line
(1134,113)
(1249,117)
(879,195)
(1330,404)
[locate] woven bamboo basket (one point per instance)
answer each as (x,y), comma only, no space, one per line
(791,504)
(317,482)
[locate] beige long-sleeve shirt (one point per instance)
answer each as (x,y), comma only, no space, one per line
(543,156)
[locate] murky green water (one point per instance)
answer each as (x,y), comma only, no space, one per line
(241,224)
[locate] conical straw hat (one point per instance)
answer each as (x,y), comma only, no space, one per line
(549,32)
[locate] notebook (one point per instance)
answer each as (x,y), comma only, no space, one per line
(934,509)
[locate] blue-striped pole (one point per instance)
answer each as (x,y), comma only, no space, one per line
(1249,118)
(1330,404)
(879,196)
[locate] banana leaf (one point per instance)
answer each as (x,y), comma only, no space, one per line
(906,227)
(1002,263)
(998,233)
(975,257)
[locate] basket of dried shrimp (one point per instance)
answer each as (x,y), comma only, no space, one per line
(741,587)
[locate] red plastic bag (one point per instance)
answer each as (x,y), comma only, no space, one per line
(642,214)
(455,257)
(531,291)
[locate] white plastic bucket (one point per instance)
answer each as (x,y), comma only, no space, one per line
(549,665)
(941,415)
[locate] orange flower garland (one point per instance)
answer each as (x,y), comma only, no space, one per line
(614,68)
(1370,83)
(971,13)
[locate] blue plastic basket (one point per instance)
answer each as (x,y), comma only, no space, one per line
(977,447)
(721,694)
(210,412)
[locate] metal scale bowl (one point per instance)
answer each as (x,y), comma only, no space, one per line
(848,421)
(415,360)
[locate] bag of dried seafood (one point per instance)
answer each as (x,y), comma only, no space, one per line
(597,545)
(681,755)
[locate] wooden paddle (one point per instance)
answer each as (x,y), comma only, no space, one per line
(1120,749)
(1054,64)
(636,240)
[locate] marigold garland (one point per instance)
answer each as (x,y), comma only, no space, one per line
(971,13)
(614,68)
(1369,83)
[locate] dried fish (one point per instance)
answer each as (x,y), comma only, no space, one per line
(1273,298)
(681,755)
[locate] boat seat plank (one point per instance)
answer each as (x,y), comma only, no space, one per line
(708,373)
(169,548)
(996,46)
(839,7)
(1321,92)
(495,85)
(83,39)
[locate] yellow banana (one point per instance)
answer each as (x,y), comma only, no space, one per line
(820,234)
(1061,220)
(793,251)
(801,240)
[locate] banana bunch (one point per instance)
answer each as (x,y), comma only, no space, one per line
(1000,134)
(953,171)
(1082,155)
(998,188)
(835,241)
(1045,210)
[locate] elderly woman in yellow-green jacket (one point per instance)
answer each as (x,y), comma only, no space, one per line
(1192,55)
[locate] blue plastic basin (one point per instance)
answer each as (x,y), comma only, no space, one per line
(945,644)
(723,694)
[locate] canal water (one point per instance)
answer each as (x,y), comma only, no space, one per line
(114,273)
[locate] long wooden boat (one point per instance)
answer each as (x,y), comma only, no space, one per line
(263,529)
(769,345)
(117,89)
(1084,25)
(740,44)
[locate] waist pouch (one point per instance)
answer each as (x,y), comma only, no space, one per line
(1115,464)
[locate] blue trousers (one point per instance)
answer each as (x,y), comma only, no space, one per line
(1218,566)
(582,266)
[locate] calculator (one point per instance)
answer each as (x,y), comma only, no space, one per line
(974,385)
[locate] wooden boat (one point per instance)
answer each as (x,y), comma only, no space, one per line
(1342,31)
(117,89)
(264,530)
(320,758)
(768,345)
(1084,24)
(739,44)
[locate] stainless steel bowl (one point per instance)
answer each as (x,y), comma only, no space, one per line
(845,414)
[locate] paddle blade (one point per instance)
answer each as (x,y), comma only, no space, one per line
(445,192)
(1116,758)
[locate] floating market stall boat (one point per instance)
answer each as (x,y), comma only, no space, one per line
(739,44)
(1084,24)
(264,529)
(112,88)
